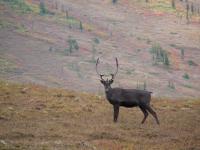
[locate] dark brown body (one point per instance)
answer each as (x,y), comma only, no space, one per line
(130,98)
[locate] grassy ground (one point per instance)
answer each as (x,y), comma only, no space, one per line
(36,117)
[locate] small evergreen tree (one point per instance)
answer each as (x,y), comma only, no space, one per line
(67,14)
(94,50)
(114,1)
(186,76)
(173,4)
(182,53)
(159,55)
(166,59)
(171,84)
(187,12)
(43,9)
(192,9)
(81,26)
(73,45)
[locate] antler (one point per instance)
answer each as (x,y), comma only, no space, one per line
(101,75)
(117,65)
(113,74)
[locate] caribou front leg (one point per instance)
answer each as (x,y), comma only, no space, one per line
(116,112)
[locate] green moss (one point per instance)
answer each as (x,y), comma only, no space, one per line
(21,28)
(9,24)
(162,6)
(72,21)
(6,66)
(130,71)
(21,6)
(192,63)
(69,21)
(18,5)
(188,86)
(4,24)
(76,68)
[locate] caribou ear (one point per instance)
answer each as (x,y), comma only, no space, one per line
(102,81)
(111,81)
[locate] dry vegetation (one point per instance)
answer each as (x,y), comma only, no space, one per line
(36,117)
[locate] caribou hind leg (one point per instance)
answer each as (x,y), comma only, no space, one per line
(145,114)
(153,113)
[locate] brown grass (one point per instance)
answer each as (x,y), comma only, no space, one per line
(35,117)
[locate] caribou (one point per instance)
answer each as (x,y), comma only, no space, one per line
(126,97)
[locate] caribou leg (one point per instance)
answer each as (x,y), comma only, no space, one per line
(145,114)
(153,113)
(116,112)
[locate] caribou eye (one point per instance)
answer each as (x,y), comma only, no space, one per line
(111,81)
(102,81)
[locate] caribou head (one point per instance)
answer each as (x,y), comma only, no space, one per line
(107,82)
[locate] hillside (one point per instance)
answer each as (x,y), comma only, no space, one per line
(56,44)
(40,118)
